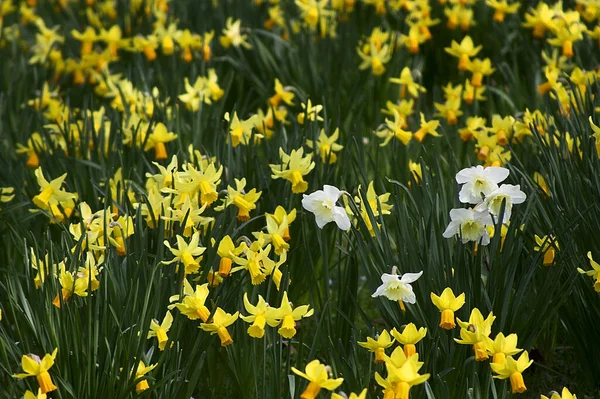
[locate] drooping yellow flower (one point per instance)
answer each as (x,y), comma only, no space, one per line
(361,395)
(512,369)
(503,346)
(232,35)
(192,304)
(141,371)
(375,58)
(292,168)
(259,316)
(253,261)
(318,377)
(275,234)
(157,140)
(476,332)
(87,39)
(218,325)
(240,132)
(463,51)
(31,395)
(394,129)
(310,112)
(400,379)
(409,337)
(33,366)
(279,214)
(479,68)
(52,195)
(501,8)
(282,93)
(287,316)
(327,146)
(548,246)
(565,394)
(448,303)
(407,84)
(35,145)
(378,345)
(227,250)
(540,19)
(427,127)
(188,254)
(245,202)
(594,273)
(160,330)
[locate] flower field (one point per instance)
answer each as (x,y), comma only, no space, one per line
(342,199)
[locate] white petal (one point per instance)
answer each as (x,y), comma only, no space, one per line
(332,193)
(496,173)
(467,174)
(341,218)
(408,278)
(412,298)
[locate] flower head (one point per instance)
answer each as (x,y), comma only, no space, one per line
(397,287)
(322,204)
(316,374)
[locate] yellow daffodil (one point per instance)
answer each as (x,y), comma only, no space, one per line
(33,366)
(512,369)
(378,345)
(565,394)
(476,332)
(448,303)
(310,111)
(292,168)
(192,303)
(503,346)
(240,132)
(232,35)
(259,316)
(218,325)
(282,93)
(141,371)
(407,84)
(157,140)
(160,330)
(409,337)
(318,377)
(287,316)
(327,146)
(187,253)
(548,246)
(427,127)
(245,202)
(594,273)
(463,51)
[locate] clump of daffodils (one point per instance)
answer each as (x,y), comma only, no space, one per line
(480,187)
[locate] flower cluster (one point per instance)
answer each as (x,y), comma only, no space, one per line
(492,202)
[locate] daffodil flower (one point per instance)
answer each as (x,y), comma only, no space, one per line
(479,181)
(512,369)
(187,253)
(378,345)
(409,337)
(160,330)
(397,287)
(448,303)
(316,374)
(33,366)
(322,203)
(218,325)
(287,316)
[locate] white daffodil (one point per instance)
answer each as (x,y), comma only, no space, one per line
(322,204)
(512,195)
(479,180)
(397,287)
(469,224)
